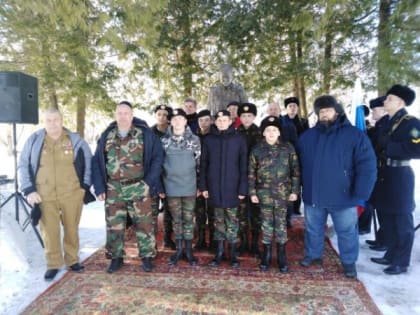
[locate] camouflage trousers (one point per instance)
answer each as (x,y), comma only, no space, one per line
(182,211)
(226,224)
(249,216)
(135,200)
(203,213)
(167,217)
(273,215)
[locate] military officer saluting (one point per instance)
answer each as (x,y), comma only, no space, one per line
(393,195)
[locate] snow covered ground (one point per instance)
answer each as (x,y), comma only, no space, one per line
(22,263)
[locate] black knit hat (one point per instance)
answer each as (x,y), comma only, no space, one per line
(247,108)
(377,102)
(292,99)
(178,112)
(270,121)
(403,92)
(203,113)
(327,101)
(163,107)
(221,113)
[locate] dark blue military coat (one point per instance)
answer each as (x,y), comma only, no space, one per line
(224,167)
(394,189)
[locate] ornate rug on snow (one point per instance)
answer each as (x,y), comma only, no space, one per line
(201,289)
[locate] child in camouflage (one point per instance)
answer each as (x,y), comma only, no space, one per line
(273,179)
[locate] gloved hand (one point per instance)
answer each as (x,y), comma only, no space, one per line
(35,214)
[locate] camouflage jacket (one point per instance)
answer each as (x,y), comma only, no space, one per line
(275,168)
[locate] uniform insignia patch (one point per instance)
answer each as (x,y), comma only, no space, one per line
(246,108)
(415,134)
(416,141)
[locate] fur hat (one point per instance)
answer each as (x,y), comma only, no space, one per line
(270,121)
(403,92)
(377,102)
(178,112)
(203,113)
(221,113)
(247,108)
(292,99)
(327,101)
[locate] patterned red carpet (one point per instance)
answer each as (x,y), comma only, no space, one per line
(207,290)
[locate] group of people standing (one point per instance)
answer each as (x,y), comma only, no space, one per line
(239,180)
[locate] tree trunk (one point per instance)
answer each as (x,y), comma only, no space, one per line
(326,82)
(384,44)
(53,98)
(301,78)
(81,115)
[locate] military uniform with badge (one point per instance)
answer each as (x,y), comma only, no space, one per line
(393,195)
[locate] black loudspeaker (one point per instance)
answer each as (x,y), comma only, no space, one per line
(18,98)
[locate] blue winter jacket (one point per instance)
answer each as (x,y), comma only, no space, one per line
(338,165)
(152,159)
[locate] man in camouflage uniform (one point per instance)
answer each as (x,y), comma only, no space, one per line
(162,115)
(126,172)
(273,180)
(249,212)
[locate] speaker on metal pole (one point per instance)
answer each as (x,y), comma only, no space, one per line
(18,104)
(18,98)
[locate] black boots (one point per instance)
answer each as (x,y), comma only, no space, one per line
(243,239)
(219,254)
(167,240)
(147,264)
(179,251)
(188,253)
(116,263)
(266,258)
(234,262)
(201,242)
(178,254)
(254,245)
(281,258)
(50,274)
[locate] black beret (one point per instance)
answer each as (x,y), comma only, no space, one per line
(125,103)
(403,92)
(178,112)
(163,107)
(233,103)
(247,108)
(327,101)
(292,99)
(203,113)
(377,102)
(270,121)
(221,113)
